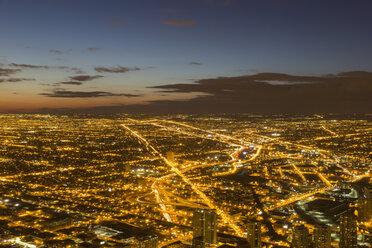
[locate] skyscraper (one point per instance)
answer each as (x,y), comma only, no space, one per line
(365,206)
(254,234)
(198,242)
(322,237)
(204,228)
(348,231)
(301,237)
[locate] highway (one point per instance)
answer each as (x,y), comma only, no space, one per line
(157,186)
(224,216)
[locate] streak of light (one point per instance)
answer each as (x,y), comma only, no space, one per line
(225,217)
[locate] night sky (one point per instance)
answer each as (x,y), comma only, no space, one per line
(264,56)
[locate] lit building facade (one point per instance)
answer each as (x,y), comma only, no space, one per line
(322,237)
(204,228)
(301,237)
(348,231)
(365,206)
(254,234)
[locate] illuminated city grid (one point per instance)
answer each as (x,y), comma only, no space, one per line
(77,178)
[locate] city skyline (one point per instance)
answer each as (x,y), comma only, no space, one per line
(185,181)
(185,123)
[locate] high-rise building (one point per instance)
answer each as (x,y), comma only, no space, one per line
(205,228)
(301,237)
(322,237)
(365,206)
(254,234)
(348,231)
(198,242)
(150,241)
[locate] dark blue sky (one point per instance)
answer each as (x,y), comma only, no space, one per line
(161,37)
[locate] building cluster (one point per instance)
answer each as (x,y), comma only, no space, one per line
(205,233)
(147,181)
(321,237)
(205,224)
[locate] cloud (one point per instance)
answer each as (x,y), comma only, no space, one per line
(180,23)
(343,93)
(85,94)
(195,63)
(13,80)
(94,49)
(29,66)
(56,51)
(76,70)
(4,72)
(118,69)
(85,77)
(67,68)
(348,92)
(70,83)
(117,22)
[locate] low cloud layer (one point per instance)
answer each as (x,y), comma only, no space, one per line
(69,83)
(263,93)
(14,80)
(6,75)
(85,94)
(28,66)
(348,92)
(5,72)
(118,69)
(85,77)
